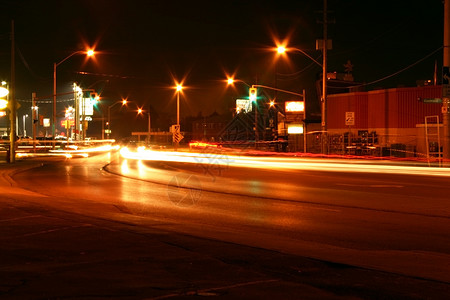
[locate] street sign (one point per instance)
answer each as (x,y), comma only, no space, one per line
(294,106)
(177,137)
(350,118)
(67,123)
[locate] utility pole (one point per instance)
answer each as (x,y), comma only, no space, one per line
(149,126)
(324,80)
(446,83)
(34,118)
(77,114)
(12,102)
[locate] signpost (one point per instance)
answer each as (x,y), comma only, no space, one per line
(349,121)
(350,118)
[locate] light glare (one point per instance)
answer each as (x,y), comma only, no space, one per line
(281,49)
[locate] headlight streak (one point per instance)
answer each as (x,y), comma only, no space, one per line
(69,153)
(104,148)
(283,163)
(62,154)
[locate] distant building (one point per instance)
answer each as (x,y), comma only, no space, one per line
(208,128)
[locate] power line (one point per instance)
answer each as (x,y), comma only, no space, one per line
(398,72)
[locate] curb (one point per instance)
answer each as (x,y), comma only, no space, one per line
(6,172)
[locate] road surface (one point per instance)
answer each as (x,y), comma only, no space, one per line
(375,221)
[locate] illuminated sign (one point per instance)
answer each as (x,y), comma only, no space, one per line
(3,92)
(295,128)
(86,106)
(243,105)
(46,122)
(3,104)
(295,106)
(64,123)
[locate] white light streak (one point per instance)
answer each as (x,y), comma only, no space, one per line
(284,163)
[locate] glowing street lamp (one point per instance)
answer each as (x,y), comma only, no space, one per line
(141,112)
(124,102)
(232,81)
(271,103)
(282,50)
(89,53)
(179,87)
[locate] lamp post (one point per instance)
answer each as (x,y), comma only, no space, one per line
(35,118)
(124,102)
(55,65)
(24,125)
(141,111)
(178,87)
(282,50)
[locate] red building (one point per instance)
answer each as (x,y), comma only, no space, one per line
(385,119)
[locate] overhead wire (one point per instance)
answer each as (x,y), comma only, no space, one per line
(400,71)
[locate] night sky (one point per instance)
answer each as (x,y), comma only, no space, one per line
(144,46)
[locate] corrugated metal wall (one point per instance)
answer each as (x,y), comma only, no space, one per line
(405,107)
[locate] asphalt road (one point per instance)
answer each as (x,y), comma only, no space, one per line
(366,235)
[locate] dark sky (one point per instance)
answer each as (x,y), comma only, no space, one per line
(144,45)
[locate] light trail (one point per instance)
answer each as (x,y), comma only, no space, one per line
(104,148)
(74,152)
(29,155)
(218,158)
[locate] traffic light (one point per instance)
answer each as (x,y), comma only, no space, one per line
(252,94)
(94,98)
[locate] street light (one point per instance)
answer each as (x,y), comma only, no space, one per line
(178,88)
(231,81)
(282,50)
(55,65)
(34,117)
(124,102)
(141,112)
